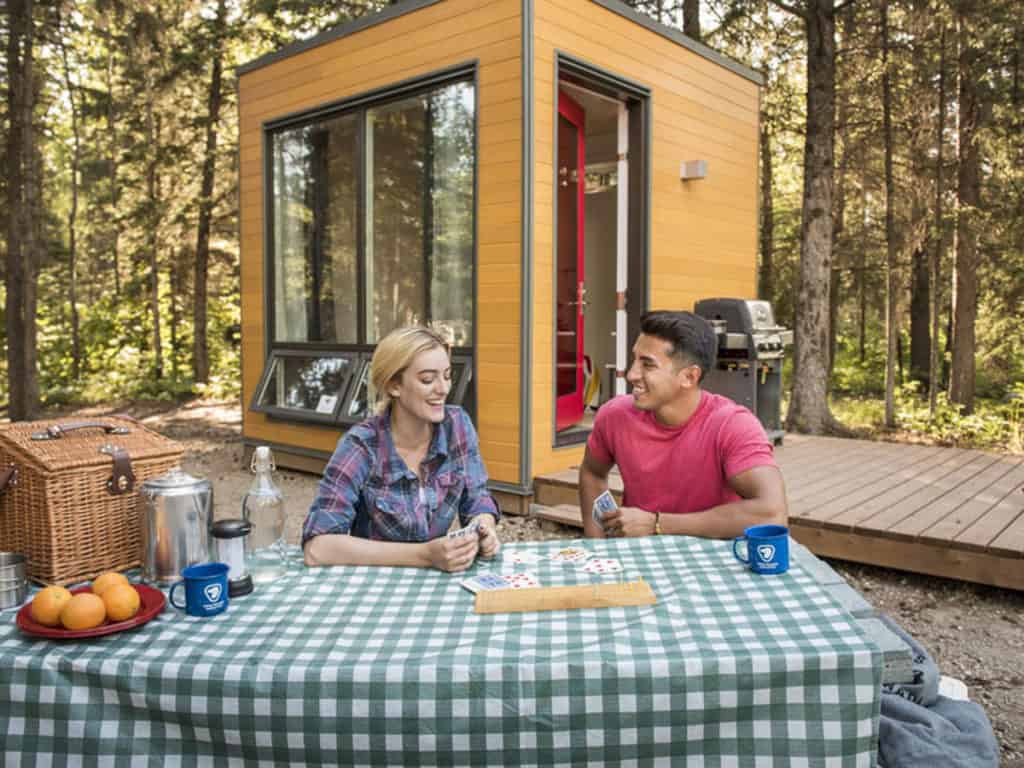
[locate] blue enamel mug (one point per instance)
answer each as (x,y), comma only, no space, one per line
(206,589)
(767,548)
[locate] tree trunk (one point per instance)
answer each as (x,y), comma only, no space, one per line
(115,235)
(691,19)
(935,264)
(766,276)
(153,226)
(835,278)
(200,349)
(862,276)
(76,154)
(965,280)
(920,340)
(890,230)
(174,278)
(22,185)
(919,241)
(808,408)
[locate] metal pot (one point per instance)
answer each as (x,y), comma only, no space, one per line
(13,586)
(177,510)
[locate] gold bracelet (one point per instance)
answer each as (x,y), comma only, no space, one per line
(657,523)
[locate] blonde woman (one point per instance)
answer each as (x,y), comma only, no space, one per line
(396,481)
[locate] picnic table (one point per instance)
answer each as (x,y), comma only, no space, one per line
(359,666)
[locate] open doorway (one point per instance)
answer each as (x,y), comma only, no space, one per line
(600,241)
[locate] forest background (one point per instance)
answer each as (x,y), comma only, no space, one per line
(902,119)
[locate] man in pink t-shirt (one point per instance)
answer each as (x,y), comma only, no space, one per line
(692,463)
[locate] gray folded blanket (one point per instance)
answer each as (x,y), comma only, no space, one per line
(918,727)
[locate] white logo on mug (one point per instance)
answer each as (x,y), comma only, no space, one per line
(212,592)
(766,552)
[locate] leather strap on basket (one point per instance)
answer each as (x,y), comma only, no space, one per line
(123,479)
(8,476)
(57,431)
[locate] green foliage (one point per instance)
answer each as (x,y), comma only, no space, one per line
(995,424)
(851,375)
(992,425)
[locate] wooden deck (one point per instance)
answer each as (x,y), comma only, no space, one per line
(943,511)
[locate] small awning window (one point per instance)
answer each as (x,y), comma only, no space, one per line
(331,388)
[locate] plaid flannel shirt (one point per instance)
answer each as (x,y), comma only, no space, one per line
(368,491)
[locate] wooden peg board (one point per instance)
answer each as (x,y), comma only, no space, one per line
(610,595)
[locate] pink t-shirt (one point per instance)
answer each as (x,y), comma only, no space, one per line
(679,469)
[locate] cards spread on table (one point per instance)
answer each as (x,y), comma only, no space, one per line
(487,581)
(602,565)
(520,557)
(521,580)
(603,504)
(570,555)
(459,533)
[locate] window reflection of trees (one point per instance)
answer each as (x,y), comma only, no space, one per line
(419,220)
(315,241)
(302,381)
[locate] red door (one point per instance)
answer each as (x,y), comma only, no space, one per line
(569,285)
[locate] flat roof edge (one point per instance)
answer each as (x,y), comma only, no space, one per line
(615,6)
(409,6)
(334,33)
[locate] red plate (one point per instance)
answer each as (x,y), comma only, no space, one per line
(151,603)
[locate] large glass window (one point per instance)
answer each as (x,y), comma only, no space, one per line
(372,227)
(420,213)
(315,232)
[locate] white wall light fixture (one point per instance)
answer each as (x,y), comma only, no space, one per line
(693,169)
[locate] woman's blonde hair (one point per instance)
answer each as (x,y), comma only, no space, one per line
(394,353)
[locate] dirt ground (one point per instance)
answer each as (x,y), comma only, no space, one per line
(975,633)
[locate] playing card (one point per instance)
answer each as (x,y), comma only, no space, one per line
(603,504)
(521,580)
(602,565)
(459,533)
(521,557)
(570,555)
(485,581)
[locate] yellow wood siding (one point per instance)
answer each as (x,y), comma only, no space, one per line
(412,45)
(703,233)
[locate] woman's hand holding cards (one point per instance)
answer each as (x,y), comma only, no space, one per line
(489,542)
(453,554)
(627,522)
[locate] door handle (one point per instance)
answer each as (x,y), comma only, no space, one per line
(581,297)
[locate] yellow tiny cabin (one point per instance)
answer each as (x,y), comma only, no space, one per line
(530,175)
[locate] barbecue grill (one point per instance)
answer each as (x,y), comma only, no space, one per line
(751,350)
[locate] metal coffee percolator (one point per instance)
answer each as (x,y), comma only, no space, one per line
(177,511)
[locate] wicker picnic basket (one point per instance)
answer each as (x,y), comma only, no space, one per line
(68,497)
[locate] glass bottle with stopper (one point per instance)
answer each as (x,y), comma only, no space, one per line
(263,507)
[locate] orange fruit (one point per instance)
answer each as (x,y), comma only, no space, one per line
(105,581)
(83,611)
(121,601)
(47,605)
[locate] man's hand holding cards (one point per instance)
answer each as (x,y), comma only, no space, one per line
(603,505)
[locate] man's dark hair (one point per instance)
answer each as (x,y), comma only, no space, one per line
(691,337)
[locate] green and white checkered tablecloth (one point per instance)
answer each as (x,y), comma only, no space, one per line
(359,666)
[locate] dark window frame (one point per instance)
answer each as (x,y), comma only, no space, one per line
(360,350)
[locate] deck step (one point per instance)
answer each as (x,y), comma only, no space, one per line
(566,514)
(559,488)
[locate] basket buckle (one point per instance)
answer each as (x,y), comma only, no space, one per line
(123,479)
